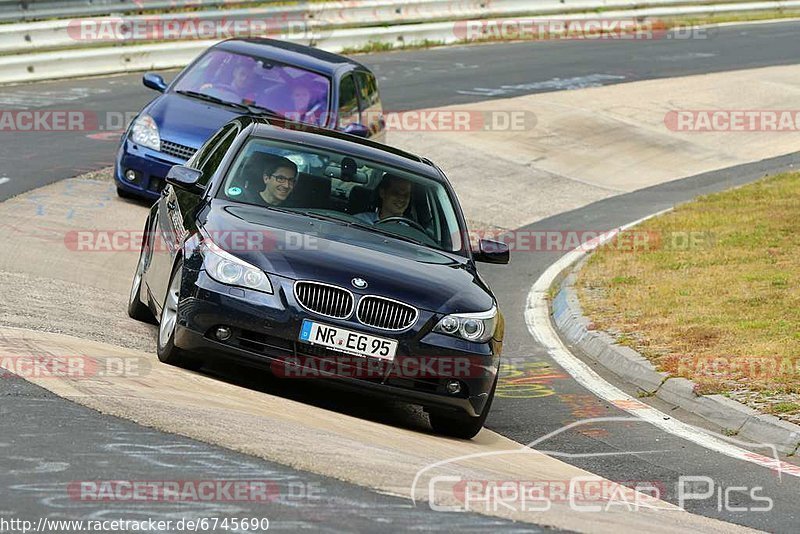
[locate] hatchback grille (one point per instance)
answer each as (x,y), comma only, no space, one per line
(386,314)
(176,150)
(323,299)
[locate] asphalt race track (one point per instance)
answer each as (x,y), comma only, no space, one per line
(409,80)
(94,446)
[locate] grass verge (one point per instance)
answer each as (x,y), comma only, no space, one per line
(710,292)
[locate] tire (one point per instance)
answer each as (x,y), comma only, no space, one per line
(136,309)
(459,425)
(165,345)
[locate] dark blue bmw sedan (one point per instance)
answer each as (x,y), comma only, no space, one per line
(322,255)
(238,77)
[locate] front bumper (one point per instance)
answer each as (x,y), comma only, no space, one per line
(151,168)
(265,330)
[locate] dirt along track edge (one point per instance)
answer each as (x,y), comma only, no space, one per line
(540,325)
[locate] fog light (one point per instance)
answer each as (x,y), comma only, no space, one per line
(130,175)
(453,387)
(223,333)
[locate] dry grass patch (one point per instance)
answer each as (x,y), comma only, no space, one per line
(710,292)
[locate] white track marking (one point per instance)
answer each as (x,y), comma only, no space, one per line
(4,180)
(557,84)
(38,99)
(537,318)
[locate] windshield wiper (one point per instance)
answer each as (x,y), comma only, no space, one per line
(250,108)
(321,217)
(261,110)
(373,228)
(214,99)
(363,226)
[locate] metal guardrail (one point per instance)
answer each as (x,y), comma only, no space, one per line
(47,50)
(29,10)
(283,21)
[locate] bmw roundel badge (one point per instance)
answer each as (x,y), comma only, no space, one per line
(359,283)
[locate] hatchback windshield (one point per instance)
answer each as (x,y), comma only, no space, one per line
(238,79)
(346,190)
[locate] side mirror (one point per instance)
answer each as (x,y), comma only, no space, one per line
(357,129)
(154,81)
(490,251)
(185,178)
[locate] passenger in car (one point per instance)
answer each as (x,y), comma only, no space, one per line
(306,103)
(280,176)
(394,194)
(242,80)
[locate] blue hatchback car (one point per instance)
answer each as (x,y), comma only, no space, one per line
(243,77)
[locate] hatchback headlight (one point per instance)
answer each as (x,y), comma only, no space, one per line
(230,270)
(145,132)
(478,327)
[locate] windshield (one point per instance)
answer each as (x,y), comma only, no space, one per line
(296,93)
(345,190)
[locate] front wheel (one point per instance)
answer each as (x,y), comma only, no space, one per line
(137,310)
(165,347)
(461,425)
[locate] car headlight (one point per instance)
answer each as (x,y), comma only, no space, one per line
(145,132)
(478,327)
(230,270)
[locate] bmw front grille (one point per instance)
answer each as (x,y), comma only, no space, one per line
(386,314)
(333,301)
(324,299)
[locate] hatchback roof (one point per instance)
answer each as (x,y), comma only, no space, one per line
(291,53)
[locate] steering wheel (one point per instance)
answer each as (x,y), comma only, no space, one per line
(404,220)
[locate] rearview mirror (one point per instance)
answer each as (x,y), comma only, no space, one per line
(490,251)
(154,81)
(185,178)
(357,129)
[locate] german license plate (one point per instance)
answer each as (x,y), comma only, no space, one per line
(347,341)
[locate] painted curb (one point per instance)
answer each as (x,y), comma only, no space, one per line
(732,416)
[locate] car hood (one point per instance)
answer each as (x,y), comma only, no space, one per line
(302,248)
(187,121)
